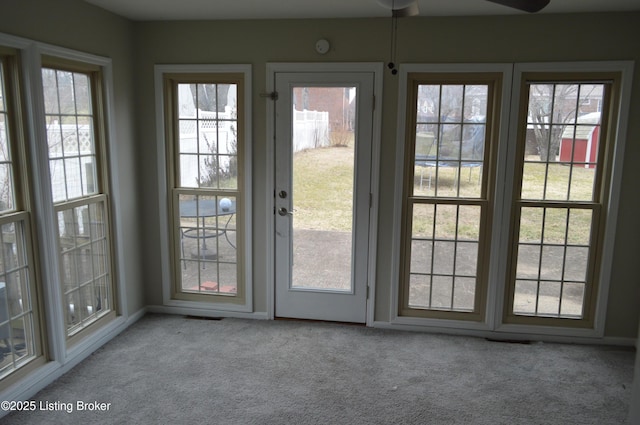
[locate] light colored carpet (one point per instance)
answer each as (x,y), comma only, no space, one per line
(178,370)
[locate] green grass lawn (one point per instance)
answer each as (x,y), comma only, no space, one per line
(323,192)
(323,188)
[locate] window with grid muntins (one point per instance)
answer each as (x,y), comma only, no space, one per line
(19,325)
(206,195)
(447,198)
(559,201)
(80,201)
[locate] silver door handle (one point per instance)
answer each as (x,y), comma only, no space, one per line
(283,211)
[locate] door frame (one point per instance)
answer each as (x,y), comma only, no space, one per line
(377,69)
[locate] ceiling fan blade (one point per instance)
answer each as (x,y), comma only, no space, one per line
(411,10)
(530,6)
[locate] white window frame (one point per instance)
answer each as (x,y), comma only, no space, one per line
(625,68)
(199,307)
(493,324)
(45,207)
(61,356)
(403,114)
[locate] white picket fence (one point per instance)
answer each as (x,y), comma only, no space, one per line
(210,133)
(71,161)
(310,130)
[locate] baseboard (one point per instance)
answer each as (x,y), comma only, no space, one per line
(512,336)
(29,386)
(190,311)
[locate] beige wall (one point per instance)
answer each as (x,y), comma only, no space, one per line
(136,47)
(77,25)
(429,40)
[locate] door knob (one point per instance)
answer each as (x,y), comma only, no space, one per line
(283,211)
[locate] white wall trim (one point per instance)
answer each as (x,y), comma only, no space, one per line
(165,225)
(43,211)
(626,70)
(508,336)
(29,386)
(202,312)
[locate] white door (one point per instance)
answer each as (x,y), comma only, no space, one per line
(322,198)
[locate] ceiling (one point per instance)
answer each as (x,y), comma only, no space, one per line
(161,10)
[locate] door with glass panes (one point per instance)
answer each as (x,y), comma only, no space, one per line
(323,159)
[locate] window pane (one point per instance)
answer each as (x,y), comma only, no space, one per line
(451,253)
(6,187)
(525,299)
(84,259)
(451,106)
(421,252)
(475,103)
(50,85)
(428,107)
(528,265)
(420,291)
(208,244)
(441,292)
(572,300)
(579,232)
(208,128)
(17,338)
(6,169)
(531,224)
(448,154)
(549,298)
(563,132)
(464,294)
(70,134)
(423,221)
(561,260)
(466,259)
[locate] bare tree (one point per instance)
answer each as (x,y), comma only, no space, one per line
(551,108)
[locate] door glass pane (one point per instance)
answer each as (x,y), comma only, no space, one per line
(323,148)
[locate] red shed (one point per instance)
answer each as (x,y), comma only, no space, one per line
(580,141)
